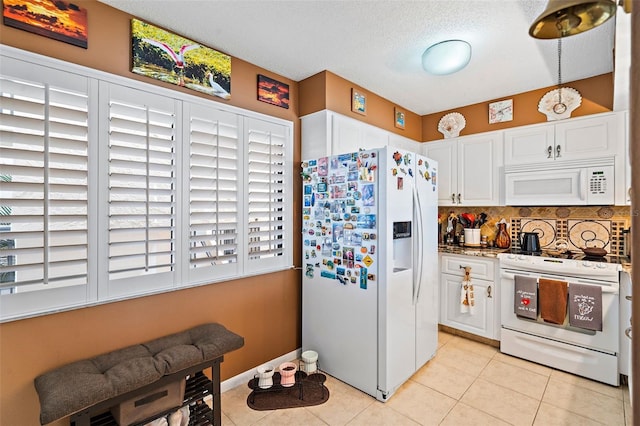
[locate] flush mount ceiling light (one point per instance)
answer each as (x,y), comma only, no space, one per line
(562,18)
(446,57)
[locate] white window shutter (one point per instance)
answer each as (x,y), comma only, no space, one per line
(44,122)
(214,192)
(112,189)
(269,220)
(141,191)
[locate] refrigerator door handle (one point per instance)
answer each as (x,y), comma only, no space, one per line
(417,254)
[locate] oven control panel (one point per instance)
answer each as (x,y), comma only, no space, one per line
(568,267)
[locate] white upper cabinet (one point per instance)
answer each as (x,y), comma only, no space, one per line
(469,169)
(445,153)
(327,133)
(574,139)
(529,144)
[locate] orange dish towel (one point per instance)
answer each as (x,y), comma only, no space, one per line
(553,300)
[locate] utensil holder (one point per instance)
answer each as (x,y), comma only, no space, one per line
(472,237)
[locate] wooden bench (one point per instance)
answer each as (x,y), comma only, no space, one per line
(89,388)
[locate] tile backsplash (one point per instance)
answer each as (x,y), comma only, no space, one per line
(599,226)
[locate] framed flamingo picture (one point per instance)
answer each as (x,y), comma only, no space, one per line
(168,57)
(59,20)
(273,92)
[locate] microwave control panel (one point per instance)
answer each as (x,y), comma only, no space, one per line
(600,185)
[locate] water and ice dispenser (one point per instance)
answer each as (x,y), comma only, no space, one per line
(402,246)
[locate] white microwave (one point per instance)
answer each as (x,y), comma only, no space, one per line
(560,184)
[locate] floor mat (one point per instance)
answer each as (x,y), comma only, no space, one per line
(308,390)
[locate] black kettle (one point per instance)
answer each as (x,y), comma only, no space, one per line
(530,242)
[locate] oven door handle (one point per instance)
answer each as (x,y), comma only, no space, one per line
(605,288)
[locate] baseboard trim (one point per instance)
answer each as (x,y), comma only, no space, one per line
(243,378)
(470,336)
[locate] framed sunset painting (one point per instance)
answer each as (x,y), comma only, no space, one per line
(59,20)
(273,92)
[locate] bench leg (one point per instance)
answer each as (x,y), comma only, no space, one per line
(216,400)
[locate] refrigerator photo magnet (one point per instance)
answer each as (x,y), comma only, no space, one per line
(363,278)
(323,168)
(368,195)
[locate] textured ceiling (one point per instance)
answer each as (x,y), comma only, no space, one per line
(378,44)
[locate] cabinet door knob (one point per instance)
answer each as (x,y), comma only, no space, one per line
(557,151)
(453,198)
(549,151)
(489,296)
(459,199)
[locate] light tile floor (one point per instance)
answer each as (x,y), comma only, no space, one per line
(466,383)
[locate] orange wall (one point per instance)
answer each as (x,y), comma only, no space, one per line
(32,346)
(596,92)
(326,90)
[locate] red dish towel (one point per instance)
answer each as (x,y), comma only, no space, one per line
(553,300)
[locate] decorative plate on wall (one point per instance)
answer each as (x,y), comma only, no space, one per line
(551,106)
(451,124)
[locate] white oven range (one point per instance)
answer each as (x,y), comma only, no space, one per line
(587,353)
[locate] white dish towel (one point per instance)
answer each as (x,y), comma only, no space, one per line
(467,300)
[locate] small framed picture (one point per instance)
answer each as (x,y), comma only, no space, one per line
(358,102)
(59,20)
(501,111)
(273,92)
(399,118)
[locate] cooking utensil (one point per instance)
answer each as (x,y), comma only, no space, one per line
(594,251)
(482,218)
(470,218)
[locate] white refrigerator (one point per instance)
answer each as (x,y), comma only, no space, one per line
(370,283)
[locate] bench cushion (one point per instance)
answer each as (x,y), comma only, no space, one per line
(79,385)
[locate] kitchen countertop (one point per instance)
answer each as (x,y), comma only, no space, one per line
(470,251)
(493,252)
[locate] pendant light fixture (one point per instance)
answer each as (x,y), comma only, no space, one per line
(562,18)
(560,107)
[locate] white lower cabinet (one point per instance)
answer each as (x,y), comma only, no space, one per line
(484,320)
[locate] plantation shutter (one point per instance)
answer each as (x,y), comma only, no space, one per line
(268,219)
(214,192)
(44,146)
(142,188)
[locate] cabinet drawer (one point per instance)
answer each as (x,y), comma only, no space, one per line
(480,268)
